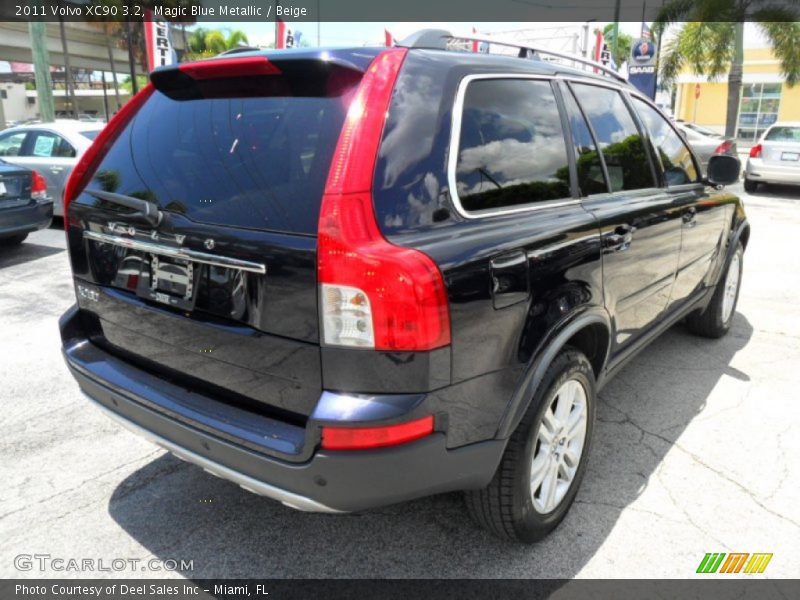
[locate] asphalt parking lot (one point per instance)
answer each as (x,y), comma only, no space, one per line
(696,450)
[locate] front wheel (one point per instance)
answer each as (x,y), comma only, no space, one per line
(715,321)
(545,459)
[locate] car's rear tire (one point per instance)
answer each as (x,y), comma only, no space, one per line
(544,461)
(750,186)
(715,321)
(14,240)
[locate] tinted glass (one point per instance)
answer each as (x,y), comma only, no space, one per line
(675,156)
(591,179)
(618,137)
(257,162)
(511,149)
(11,143)
(783,134)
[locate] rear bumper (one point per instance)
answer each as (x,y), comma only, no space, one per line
(24,219)
(758,170)
(323,482)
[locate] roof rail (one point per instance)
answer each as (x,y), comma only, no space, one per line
(439,39)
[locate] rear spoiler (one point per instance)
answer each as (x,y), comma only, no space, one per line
(258,74)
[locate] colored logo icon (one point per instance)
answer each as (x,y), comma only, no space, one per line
(736,562)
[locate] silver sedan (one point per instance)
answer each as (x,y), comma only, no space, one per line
(52,149)
(705,142)
(775,158)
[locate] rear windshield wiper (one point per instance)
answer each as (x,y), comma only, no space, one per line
(147,211)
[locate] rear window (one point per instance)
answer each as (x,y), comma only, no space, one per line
(252,162)
(783,134)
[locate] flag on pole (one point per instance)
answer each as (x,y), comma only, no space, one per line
(388,38)
(159,46)
(646,33)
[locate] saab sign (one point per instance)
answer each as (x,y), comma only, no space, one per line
(642,67)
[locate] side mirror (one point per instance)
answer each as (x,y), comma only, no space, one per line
(723,169)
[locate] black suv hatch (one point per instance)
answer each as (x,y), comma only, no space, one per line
(195,238)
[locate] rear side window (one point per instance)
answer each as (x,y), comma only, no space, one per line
(783,134)
(591,179)
(676,159)
(90,135)
(257,162)
(11,143)
(511,148)
(619,138)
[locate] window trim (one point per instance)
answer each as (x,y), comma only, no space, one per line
(455,135)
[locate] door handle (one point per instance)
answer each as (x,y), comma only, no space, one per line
(620,239)
(56,169)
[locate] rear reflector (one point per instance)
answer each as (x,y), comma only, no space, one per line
(88,163)
(218,68)
(724,147)
(362,438)
(755,151)
(38,186)
(373,294)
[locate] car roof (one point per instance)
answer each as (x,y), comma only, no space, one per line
(65,125)
(450,58)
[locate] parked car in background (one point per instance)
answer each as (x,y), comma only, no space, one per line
(24,206)
(775,158)
(52,149)
(706,143)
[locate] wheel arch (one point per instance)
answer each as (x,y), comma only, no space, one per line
(589,331)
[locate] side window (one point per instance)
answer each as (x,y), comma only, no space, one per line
(679,167)
(11,143)
(619,138)
(591,179)
(511,149)
(45,144)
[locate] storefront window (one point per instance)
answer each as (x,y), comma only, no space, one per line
(758,109)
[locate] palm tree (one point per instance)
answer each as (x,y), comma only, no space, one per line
(624,44)
(204,43)
(711,42)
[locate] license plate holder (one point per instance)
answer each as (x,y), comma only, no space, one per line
(790,156)
(171,281)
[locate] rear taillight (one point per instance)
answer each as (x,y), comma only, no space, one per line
(724,147)
(91,159)
(373,294)
(362,438)
(246,66)
(38,186)
(755,151)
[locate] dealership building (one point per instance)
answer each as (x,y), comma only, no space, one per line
(765,98)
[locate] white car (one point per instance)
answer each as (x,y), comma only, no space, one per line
(52,149)
(775,158)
